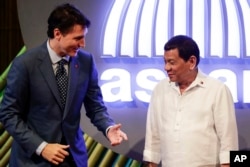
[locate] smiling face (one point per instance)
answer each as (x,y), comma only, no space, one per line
(177,69)
(71,42)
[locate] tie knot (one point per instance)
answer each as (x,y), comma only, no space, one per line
(61,64)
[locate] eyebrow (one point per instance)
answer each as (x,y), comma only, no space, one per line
(79,37)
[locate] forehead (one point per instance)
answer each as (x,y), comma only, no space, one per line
(78,28)
(171,54)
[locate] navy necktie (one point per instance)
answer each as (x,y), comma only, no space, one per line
(62,81)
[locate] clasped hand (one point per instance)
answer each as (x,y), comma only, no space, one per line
(55,153)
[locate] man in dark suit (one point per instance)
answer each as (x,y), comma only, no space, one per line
(46,129)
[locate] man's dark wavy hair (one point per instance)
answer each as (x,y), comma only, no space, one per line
(64,17)
(186,47)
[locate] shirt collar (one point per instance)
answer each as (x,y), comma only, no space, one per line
(200,80)
(54,56)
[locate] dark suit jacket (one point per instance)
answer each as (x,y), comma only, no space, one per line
(31,110)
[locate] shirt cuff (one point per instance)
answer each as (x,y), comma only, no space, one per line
(40,148)
(225,157)
(108,129)
(149,156)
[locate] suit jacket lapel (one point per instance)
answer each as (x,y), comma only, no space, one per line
(73,80)
(48,74)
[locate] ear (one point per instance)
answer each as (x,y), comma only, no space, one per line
(192,61)
(57,33)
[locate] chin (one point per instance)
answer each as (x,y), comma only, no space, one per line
(73,54)
(172,79)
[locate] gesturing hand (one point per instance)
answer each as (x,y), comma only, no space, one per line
(115,135)
(55,153)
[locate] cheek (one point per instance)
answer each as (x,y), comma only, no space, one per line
(175,68)
(179,70)
(183,72)
(69,45)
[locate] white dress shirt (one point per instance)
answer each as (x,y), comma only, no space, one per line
(193,129)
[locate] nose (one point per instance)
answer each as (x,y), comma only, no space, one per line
(167,67)
(82,43)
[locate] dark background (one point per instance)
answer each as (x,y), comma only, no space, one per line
(10,34)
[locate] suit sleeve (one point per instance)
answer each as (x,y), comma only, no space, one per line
(14,108)
(94,105)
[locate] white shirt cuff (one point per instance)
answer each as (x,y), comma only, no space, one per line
(108,130)
(40,148)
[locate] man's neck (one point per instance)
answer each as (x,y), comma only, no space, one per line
(185,84)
